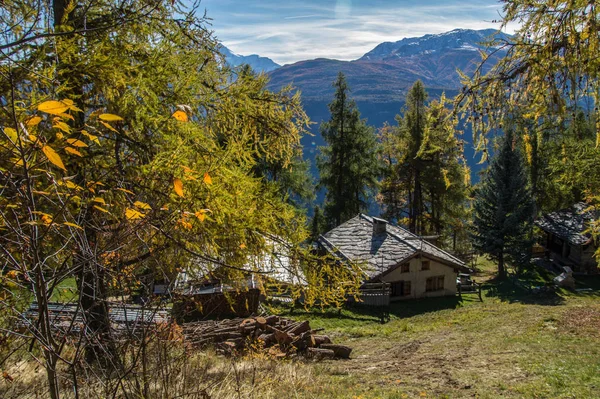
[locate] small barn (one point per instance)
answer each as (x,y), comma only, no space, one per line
(566,239)
(209,290)
(412,266)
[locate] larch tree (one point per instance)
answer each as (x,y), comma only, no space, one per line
(348,164)
(126,146)
(503,209)
(426,179)
(549,72)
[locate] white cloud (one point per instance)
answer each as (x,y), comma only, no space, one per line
(295,31)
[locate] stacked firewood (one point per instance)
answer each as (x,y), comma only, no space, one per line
(279,336)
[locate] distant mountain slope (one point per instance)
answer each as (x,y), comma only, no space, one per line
(385,73)
(381,78)
(457,39)
(258,63)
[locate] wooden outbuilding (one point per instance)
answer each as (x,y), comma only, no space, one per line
(567,241)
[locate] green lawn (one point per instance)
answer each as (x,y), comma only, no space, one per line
(519,342)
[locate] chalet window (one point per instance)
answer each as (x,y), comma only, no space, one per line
(434,284)
(400,288)
(405,268)
(425,265)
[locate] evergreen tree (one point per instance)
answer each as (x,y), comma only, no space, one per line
(317,224)
(503,209)
(348,165)
(425,176)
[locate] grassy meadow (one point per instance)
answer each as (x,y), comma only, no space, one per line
(520,342)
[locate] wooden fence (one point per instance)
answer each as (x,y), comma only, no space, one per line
(375,294)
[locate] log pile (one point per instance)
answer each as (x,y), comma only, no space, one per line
(279,336)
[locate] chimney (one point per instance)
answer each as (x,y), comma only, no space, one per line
(379,226)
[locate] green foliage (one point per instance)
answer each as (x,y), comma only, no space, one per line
(503,209)
(425,174)
(348,165)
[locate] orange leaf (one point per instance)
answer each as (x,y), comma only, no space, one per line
(180,116)
(178,186)
(207,178)
(201,215)
(53,157)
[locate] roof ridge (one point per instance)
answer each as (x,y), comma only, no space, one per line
(334,248)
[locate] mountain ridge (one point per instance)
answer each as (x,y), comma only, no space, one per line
(257,62)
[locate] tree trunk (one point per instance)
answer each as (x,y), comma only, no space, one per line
(501,268)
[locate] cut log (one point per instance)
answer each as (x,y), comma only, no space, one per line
(272,320)
(341,351)
(318,353)
(283,338)
(300,328)
(318,340)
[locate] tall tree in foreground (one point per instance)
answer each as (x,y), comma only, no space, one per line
(503,209)
(348,165)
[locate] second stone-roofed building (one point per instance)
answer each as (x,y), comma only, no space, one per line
(412,266)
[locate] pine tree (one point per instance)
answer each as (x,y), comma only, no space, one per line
(503,209)
(348,165)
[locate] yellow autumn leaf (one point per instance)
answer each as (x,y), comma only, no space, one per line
(141,205)
(91,137)
(125,190)
(109,127)
(76,143)
(101,209)
(59,136)
(11,134)
(73,151)
(47,219)
(72,185)
(110,117)
(132,214)
(73,225)
(53,107)
(62,126)
(99,200)
(53,157)
(34,121)
(207,179)
(67,116)
(243,246)
(180,116)
(178,186)
(40,192)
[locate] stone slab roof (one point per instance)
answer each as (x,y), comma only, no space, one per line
(570,223)
(355,241)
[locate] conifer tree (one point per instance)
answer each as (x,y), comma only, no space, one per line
(503,209)
(348,165)
(425,176)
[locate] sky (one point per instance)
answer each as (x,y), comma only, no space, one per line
(293,30)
